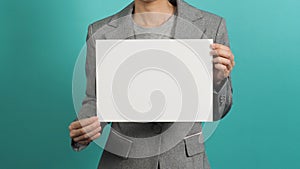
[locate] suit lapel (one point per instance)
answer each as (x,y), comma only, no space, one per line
(187,18)
(121,25)
(185,28)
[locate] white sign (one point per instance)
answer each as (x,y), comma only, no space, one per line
(163,80)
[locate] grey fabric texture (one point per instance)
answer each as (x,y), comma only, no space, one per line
(189,153)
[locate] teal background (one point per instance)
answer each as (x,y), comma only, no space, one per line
(40,41)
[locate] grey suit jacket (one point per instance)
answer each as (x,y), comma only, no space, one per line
(123,148)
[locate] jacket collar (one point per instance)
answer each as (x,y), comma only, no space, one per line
(121,27)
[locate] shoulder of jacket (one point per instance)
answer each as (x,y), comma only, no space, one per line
(210,16)
(100,23)
(205,14)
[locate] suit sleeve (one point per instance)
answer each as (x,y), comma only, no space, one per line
(222,96)
(88,108)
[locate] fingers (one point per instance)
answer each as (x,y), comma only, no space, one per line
(82,123)
(85,142)
(222,68)
(219,46)
(224,56)
(82,131)
(233,63)
(85,130)
(88,135)
(223,53)
(223,61)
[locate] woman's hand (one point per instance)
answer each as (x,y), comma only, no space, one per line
(223,62)
(86,130)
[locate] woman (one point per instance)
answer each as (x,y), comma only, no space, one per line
(152,19)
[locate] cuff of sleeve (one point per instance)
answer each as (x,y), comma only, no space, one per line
(221,86)
(220,97)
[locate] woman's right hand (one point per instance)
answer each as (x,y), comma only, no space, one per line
(86,130)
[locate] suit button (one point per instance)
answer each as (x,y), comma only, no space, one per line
(157,128)
(222,99)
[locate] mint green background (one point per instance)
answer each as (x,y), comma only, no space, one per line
(40,41)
